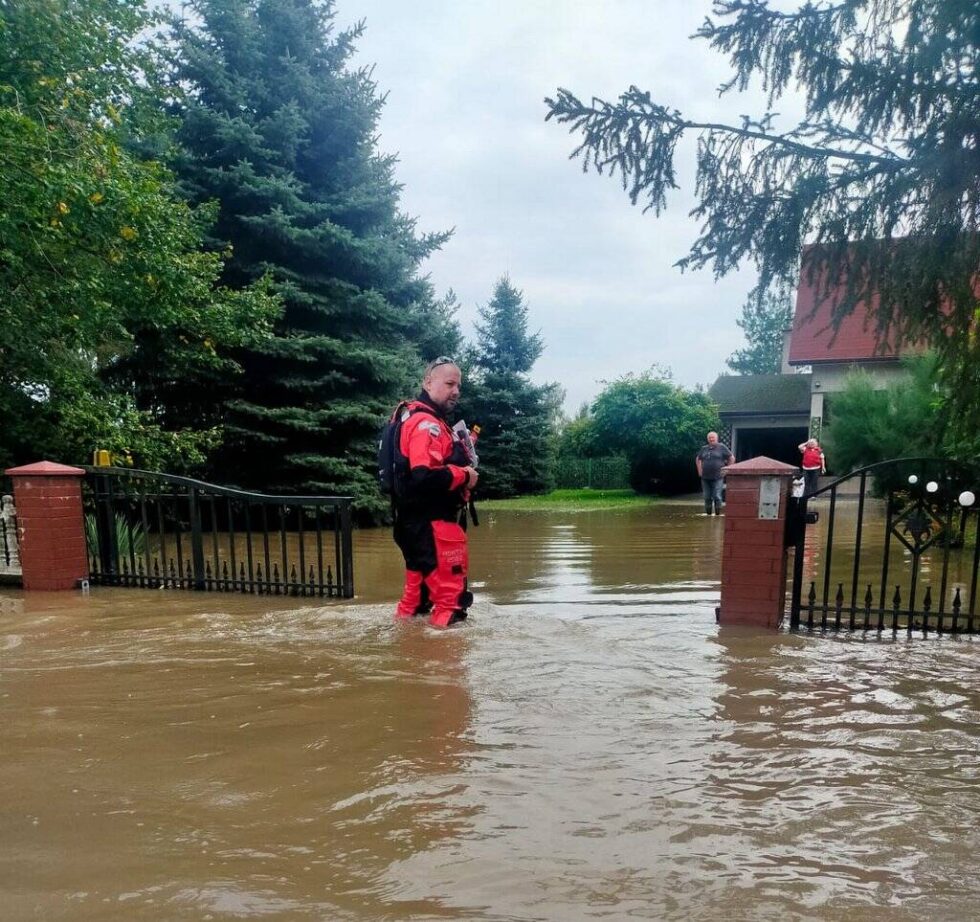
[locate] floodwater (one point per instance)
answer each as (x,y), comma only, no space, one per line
(590,745)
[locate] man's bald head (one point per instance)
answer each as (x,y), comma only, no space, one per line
(442,382)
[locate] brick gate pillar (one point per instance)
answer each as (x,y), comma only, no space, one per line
(753,563)
(50,524)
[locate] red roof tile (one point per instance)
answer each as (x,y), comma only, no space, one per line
(815,340)
(760,465)
(44,469)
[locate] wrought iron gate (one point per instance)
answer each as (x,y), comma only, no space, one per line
(897,549)
(155,530)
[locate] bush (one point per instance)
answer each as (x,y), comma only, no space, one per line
(611,473)
(658,425)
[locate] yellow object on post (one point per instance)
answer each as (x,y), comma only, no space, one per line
(101,458)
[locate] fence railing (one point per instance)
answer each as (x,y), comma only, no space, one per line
(154,530)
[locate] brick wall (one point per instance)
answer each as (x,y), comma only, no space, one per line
(50,525)
(753,566)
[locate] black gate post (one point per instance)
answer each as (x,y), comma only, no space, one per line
(346,537)
(797,521)
(105,528)
(197,540)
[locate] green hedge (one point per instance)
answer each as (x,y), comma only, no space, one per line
(598,473)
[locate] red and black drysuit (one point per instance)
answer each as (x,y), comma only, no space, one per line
(427,514)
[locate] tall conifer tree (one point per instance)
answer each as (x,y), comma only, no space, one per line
(517,418)
(766,315)
(281,130)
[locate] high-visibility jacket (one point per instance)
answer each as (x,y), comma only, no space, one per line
(436,464)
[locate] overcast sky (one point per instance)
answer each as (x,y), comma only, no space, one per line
(465,114)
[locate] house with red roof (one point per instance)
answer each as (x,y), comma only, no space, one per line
(771,414)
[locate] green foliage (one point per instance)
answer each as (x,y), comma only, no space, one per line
(281,131)
(565,501)
(658,425)
(904,419)
(765,317)
(438,331)
(504,344)
(578,439)
(517,418)
(611,473)
(880,174)
(96,255)
(131,538)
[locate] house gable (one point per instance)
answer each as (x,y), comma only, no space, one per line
(815,340)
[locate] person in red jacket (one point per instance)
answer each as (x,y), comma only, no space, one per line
(814,464)
(427,511)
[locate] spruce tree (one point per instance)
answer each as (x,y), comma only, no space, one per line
(280,129)
(765,317)
(517,418)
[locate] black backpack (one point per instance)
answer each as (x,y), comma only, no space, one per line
(392,464)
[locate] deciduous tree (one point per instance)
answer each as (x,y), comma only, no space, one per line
(96,252)
(658,425)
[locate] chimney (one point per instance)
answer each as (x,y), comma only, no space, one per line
(785,367)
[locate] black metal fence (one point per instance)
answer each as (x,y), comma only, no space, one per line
(897,550)
(155,530)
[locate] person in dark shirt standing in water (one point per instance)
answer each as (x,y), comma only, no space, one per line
(709,461)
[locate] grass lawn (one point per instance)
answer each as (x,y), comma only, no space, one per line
(570,501)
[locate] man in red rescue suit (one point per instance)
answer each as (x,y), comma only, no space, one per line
(440,479)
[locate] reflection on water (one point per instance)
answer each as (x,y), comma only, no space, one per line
(589,745)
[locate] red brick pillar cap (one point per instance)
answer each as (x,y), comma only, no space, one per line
(761,467)
(44,469)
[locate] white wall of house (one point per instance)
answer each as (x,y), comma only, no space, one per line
(831,378)
(784,366)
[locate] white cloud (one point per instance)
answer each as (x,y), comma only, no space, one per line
(465,113)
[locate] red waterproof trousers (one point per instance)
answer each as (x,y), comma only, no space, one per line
(443,587)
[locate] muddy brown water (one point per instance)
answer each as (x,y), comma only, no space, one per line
(590,745)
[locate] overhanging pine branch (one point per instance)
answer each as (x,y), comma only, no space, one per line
(568,109)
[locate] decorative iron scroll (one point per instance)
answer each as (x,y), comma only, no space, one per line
(920,520)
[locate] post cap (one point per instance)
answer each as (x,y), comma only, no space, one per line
(761,466)
(44,469)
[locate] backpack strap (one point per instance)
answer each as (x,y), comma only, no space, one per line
(401,414)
